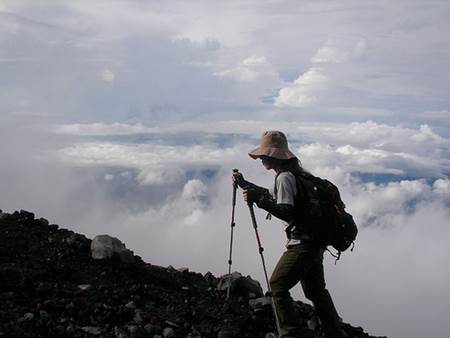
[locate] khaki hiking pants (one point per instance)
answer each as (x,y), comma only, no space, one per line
(303,263)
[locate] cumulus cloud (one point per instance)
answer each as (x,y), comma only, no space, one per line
(304,91)
(337,51)
(442,187)
(317,82)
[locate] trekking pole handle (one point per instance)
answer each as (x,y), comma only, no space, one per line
(235,185)
(238,181)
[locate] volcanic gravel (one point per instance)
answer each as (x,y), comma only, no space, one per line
(51,287)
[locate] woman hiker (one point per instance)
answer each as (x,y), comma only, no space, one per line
(303,259)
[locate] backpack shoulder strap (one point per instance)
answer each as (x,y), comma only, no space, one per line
(305,184)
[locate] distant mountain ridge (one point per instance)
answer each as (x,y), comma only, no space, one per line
(50,286)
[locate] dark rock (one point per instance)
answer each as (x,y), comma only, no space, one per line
(211,279)
(70,329)
(7,295)
(3,216)
(270,335)
(60,330)
(93,330)
(11,278)
(172,324)
(42,222)
(43,315)
(53,227)
(26,215)
(134,330)
(313,323)
(168,332)
(28,316)
(227,334)
(138,317)
(151,329)
(85,287)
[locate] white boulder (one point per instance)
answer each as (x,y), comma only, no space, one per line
(105,246)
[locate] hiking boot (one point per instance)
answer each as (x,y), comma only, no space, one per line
(339,333)
(301,333)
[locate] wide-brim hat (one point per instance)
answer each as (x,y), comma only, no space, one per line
(273,144)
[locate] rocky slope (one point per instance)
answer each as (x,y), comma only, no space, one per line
(50,286)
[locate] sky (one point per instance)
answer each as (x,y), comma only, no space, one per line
(127,117)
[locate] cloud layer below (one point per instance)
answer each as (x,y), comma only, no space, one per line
(166,192)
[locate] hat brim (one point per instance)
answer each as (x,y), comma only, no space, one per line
(280,154)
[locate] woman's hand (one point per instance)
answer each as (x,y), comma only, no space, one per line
(236,177)
(251,195)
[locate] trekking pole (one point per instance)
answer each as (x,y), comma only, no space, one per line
(261,250)
(233,205)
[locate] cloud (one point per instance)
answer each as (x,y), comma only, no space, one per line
(342,156)
(159,175)
(150,105)
(442,187)
(240,74)
(373,160)
(340,51)
(88,51)
(155,164)
(253,60)
(109,177)
(253,68)
(358,147)
(101,128)
(379,204)
(168,197)
(194,189)
(107,76)
(304,91)
(410,251)
(316,84)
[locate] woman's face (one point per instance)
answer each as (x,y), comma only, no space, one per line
(268,162)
